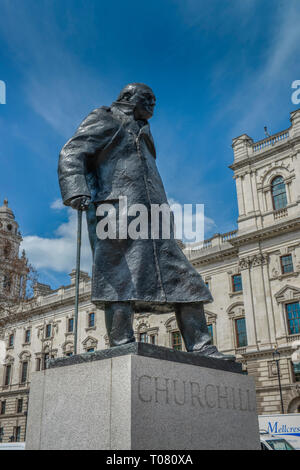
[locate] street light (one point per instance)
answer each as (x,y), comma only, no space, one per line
(276,357)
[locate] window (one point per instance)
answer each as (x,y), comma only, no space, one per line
(38,364)
(17,433)
(69,354)
(45,362)
(176,340)
(24,372)
(27,336)
(3,407)
(286,264)
(7,282)
(91,320)
(48,331)
(70,324)
(278,193)
(211,332)
(143,338)
(296,372)
(293,317)
(11,340)
(241,333)
(20,405)
(152,339)
(90,350)
(7,374)
(237,283)
(1,434)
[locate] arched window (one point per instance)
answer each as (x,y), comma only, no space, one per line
(278,193)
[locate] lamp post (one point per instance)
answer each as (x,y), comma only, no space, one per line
(276,357)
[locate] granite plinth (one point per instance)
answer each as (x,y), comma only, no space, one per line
(141,396)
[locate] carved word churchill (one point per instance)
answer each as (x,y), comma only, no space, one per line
(174,391)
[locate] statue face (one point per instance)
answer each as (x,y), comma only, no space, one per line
(144,101)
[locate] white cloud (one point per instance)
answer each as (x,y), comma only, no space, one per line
(57,205)
(59,252)
(204,224)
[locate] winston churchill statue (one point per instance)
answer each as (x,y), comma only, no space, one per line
(112,157)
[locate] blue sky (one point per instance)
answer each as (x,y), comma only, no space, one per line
(218,69)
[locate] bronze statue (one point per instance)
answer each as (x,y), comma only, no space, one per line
(112,156)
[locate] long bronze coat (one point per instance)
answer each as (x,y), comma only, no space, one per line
(113,155)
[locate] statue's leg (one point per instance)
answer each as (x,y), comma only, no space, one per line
(192,324)
(118,320)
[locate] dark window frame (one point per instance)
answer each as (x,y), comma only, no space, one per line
(3,407)
(91,320)
(7,377)
(143,335)
(24,372)
(152,339)
(234,285)
(11,340)
(48,330)
(70,322)
(27,338)
(237,336)
(20,405)
(279,200)
(176,340)
(17,433)
(295,374)
(284,266)
(295,320)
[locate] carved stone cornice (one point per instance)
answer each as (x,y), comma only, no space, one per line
(221,255)
(254,260)
(267,232)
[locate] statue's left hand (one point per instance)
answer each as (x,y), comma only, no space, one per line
(80,203)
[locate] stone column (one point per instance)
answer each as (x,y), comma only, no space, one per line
(245,265)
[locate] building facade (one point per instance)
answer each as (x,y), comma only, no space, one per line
(253,273)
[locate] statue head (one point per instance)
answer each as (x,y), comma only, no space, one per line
(141,97)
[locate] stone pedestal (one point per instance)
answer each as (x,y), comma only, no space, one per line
(140,396)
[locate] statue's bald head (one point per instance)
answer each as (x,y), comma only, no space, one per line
(141,96)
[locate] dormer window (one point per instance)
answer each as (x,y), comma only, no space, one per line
(278,193)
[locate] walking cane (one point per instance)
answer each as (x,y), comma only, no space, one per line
(79,228)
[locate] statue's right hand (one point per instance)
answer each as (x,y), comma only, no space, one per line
(80,203)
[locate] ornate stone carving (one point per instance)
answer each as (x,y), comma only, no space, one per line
(254,260)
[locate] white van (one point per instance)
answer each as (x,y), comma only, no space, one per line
(270,442)
(283,426)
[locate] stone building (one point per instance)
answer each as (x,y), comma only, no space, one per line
(253,273)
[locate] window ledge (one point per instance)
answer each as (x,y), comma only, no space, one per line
(285,275)
(90,328)
(232,294)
